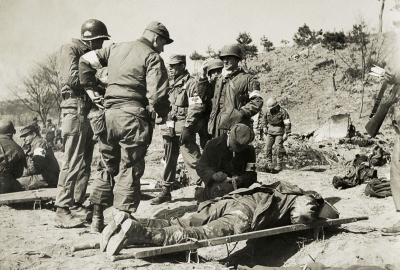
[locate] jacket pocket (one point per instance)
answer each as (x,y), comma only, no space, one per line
(70,122)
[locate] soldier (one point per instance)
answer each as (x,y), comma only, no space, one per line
(12,159)
(227,163)
(137,90)
(76,131)
(35,123)
(277,126)
(187,117)
(50,132)
(245,210)
(236,95)
(42,165)
(392,76)
(214,70)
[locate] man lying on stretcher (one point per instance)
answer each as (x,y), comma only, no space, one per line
(243,210)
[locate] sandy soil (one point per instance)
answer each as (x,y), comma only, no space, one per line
(30,241)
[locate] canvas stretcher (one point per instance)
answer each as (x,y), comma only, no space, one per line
(191,246)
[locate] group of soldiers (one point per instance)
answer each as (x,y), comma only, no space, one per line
(137,93)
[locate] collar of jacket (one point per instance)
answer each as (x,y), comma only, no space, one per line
(234,73)
(182,79)
(82,45)
(146,42)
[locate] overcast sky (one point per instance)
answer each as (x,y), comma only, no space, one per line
(31,29)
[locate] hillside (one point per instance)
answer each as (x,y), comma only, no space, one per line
(304,86)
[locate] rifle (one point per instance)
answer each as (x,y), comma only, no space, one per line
(378,98)
(375,123)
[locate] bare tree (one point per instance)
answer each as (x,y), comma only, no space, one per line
(381,15)
(39,91)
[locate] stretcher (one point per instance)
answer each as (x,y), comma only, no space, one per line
(192,245)
(137,252)
(47,194)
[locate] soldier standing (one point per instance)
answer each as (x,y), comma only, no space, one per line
(76,131)
(12,159)
(137,90)
(187,117)
(277,127)
(50,132)
(236,95)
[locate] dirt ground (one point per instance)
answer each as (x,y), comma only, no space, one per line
(30,241)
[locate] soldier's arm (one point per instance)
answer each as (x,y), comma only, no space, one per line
(157,84)
(37,163)
(69,70)
(196,105)
(256,101)
(89,63)
(249,176)
(18,169)
(206,165)
(286,122)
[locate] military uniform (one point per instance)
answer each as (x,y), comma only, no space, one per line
(137,85)
(50,133)
(218,158)
(236,98)
(12,164)
(76,131)
(241,211)
(41,161)
(276,123)
(189,116)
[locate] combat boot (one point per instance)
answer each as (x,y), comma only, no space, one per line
(111,228)
(79,211)
(97,225)
(64,219)
(162,197)
(133,233)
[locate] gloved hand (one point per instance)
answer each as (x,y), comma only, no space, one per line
(219,177)
(185,135)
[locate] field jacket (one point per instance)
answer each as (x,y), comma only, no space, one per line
(12,157)
(277,123)
(236,98)
(136,73)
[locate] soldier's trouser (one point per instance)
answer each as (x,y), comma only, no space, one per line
(191,154)
(278,140)
(226,217)
(75,170)
(395,173)
(171,154)
(129,132)
(8,184)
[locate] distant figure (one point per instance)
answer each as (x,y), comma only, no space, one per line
(277,127)
(35,123)
(58,138)
(12,159)
(42,166)
(50,133)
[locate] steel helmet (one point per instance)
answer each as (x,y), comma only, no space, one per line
(6,127)
(271,103)
(94,29)
(231,49)
(214,64)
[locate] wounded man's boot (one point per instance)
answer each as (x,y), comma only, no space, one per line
(133,233)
